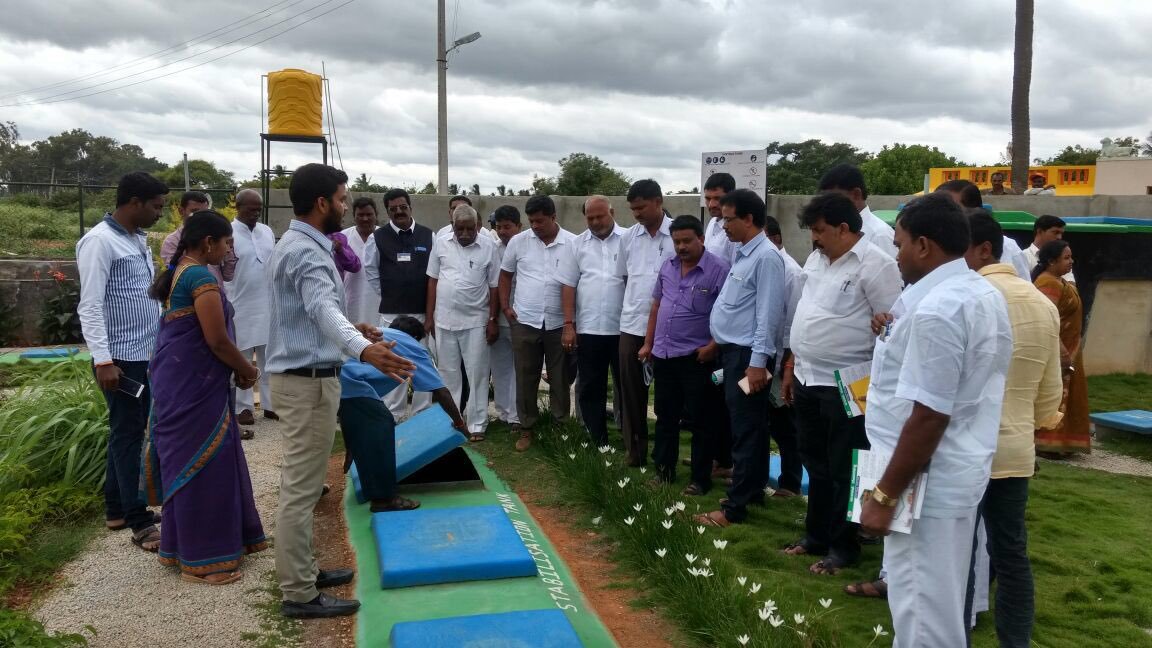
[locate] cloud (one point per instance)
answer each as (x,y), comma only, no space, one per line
(646,85)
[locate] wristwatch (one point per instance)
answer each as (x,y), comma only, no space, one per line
(880,498)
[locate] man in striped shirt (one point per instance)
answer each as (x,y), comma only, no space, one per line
(119,321)
(307,343)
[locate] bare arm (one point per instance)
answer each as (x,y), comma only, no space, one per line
(505,289)
(430,309)
(918,441)
(443,398)
(568,303)
(210,313)
(650,333)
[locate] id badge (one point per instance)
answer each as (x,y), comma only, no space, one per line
(403,257)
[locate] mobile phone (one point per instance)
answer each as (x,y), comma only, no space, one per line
(130,387)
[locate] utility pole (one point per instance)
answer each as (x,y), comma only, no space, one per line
(441,101)
(187,185)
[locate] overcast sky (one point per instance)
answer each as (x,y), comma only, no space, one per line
(645,85)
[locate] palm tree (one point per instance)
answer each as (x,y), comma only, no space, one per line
(1021,82)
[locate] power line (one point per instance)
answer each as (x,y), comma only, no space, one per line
(54,98)
(219,31)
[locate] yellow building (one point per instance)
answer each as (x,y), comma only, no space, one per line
(1068,180)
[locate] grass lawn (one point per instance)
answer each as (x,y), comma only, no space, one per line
(1089,546)
(1118,392)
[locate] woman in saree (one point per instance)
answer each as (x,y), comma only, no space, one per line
(193,464)
(1072,434)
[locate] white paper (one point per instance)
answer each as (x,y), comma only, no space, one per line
(867,468)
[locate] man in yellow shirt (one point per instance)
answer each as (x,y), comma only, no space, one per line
(1032,394)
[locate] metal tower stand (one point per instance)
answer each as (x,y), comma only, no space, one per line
(266,140)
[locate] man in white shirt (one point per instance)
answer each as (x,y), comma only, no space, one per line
(462,304)
(847,281)
(536,314)
(1047,228)
(937,387)
(847,179)
(360,299)
(453,203)
(593,296)
(716,241)
(644,247)
(250,292)
(506,224)
(1038,187)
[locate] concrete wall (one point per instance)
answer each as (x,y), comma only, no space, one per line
(1120,342)
(27,283)
(1124,176)
(432,211)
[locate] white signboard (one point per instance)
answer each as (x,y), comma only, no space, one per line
(747,167)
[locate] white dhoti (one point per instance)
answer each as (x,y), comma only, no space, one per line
(469,347)
(397,400)
(244,397)
(928,580)
(504,377)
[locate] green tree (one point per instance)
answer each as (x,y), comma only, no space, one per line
(453,189)
(364,183)
(501,190)
(899,169)
(429,188)
(80,155)
(475,190)
(799,166)
(542,186)
(1075,155)
(584,175)
(202,174)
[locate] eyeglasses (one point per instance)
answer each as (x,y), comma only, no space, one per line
(398,209)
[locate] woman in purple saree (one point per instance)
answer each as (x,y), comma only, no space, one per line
(193,464)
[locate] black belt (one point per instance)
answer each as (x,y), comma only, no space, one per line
(314,372)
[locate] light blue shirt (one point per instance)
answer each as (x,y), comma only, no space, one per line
(118,318)
(362,380)
(750,309)
(309,329)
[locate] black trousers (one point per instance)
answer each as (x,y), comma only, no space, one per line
(1003,508)
(722,426)
(127,421)
(749,418)
(634,400)
(596,355)
(782,424)
(826,440)
(370,440)
(532,349)
(684,385)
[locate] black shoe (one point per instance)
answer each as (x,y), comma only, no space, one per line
(334,577)
(321,607)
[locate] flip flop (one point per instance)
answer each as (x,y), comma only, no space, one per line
(714,518)
(476,437)
(828,566)
(124,525)
(879,589)
(801,548)
(147,535)
(232,578)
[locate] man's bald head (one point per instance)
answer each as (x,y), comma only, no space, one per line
(600,216)
(465,224)
(596,199)
(249,205)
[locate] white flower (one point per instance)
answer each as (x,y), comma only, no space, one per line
(629,520)
(693,571)
(743,580)
(801,633)
(880,632)
(705,572)
(623,482)
(719,544)
(667,524)
(571,455)
(669,511)
(607,464)
(643,470)
(596,520)
(691,558)
(798,618)
(612,450)
(700,530)
(825,602)
(707,562)
(776,621)
(680,506)
(563,437)
(637,506)
(584,445)
(764,613)
(661,552)
(754,589)
(743,639)
(770,605)
(604,449)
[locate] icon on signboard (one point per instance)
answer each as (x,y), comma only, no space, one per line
(753,158)
(708,160)
(752,170)
(752,184)
(721,159)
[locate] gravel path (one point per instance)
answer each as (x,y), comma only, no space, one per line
(133,601)
(1110,462)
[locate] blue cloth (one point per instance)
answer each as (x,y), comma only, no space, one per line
(362,380)
(750,309)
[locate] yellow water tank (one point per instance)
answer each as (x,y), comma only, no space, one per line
(295,104)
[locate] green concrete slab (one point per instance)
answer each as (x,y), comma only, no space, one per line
(552,589)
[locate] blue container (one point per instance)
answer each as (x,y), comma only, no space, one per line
(429,546)
(420,440)
(1137,421)
(529,629)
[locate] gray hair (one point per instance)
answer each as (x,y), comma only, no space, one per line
(596,198)
(464,213)
(243,194)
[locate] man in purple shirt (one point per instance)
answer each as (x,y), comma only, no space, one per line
(683,352)
(343,254)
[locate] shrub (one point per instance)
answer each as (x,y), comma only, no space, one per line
(59,322)
(20,629)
